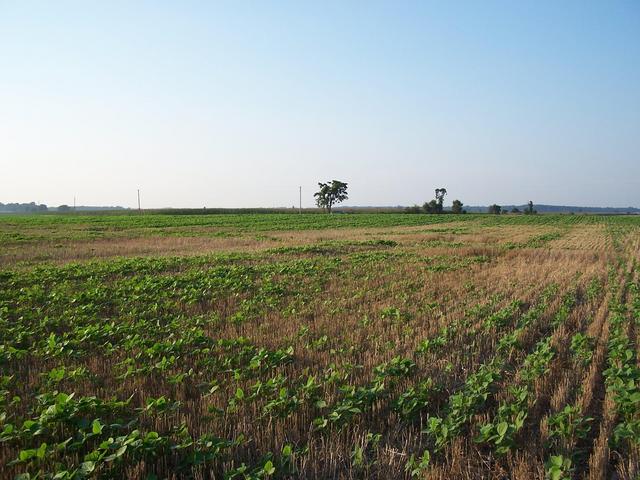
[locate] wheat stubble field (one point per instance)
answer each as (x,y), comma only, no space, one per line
(316,346)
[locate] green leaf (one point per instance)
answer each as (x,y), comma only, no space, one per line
(557,460)
(86,468)
(96,427)
(42,451)
(57,374)
(502,428)
(118,453)
(26,455)
(268,468)
(239,393)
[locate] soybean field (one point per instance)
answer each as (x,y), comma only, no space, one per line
(346,346)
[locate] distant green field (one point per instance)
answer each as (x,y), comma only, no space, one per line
(14,228)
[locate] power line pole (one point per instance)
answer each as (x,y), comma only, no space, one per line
(300,199)
(74,203)
(139,209)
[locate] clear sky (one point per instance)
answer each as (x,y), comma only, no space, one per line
(238,103)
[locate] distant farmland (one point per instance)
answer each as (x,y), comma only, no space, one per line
(319,346)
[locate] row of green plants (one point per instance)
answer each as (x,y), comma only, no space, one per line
(355,400)
(501,433)
(472,396)
(622,376)
(478,319)
(570,425)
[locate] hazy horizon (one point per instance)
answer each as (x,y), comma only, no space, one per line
(233,105)
(342,206)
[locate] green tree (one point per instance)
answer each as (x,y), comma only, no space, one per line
(64,208)
(330,193)
(435,205)
(530,210)
(430,207)
(440,193)
(456,206)
(495,209)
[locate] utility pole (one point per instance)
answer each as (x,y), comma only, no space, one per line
(300,199)
(74,203)
(139,209)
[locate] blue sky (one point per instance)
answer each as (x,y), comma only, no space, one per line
(238,103)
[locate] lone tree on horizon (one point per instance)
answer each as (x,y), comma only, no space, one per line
(440,193)
(330,193)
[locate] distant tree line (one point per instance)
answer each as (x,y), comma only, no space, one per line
(437,205)
(22,207)
(32,207)
(497,209)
